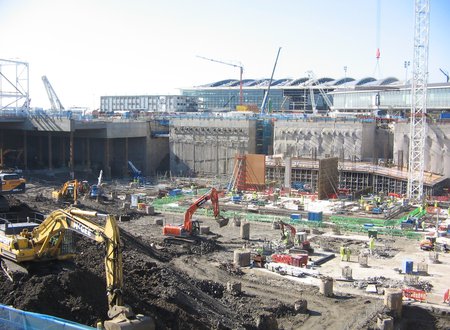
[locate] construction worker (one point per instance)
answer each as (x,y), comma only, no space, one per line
(348,252)
(371,245)
(342,252)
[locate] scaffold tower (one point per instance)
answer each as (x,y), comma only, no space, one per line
(418,124)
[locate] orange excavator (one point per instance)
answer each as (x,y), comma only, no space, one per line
(190,227)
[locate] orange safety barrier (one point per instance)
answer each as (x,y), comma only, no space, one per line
(447,296)
(415,294)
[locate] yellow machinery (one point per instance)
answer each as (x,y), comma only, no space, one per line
(32,242)
(10,183)
(68,192)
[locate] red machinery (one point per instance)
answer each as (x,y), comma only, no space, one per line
(298,260)
(293,239)
(190,227)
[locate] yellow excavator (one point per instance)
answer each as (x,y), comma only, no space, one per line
(27,242)
(10,183)
(68,192)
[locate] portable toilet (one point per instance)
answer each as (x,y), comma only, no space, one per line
(407,266)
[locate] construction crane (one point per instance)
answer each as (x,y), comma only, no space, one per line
(241,71)
(314,80)
(418,124)
(266,95)
(54,99)
(445,73)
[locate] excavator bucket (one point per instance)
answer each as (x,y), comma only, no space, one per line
(139,323)
(122,318)
(222,221)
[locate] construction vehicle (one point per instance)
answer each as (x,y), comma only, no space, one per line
(96,190)
(191,228)
(137,174)
(294,239)
(68,192)
(429,244)
(25,243)
(11,183)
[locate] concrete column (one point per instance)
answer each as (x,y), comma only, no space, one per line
(217,154)
(71,153)
(287,172)
(50,155)
(107,160)
(62,145)
(88,153)
(83,153)
(25,150)
(125,167)
(40,151)
(1,148)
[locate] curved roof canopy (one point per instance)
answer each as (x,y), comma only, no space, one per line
(306,81)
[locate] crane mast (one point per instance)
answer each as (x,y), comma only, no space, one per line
(418,124)
(241,71)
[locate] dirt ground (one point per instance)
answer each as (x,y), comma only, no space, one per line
(186,288)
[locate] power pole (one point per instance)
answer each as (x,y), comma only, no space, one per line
(418,120)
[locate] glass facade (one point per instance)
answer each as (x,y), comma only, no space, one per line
(438,98)
(377,95)
(227,99)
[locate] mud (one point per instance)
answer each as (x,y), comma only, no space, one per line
(184,287)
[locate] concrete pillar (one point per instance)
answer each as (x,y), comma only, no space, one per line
(107,159)
(83,153)
(71,153)
(385,322)
(125,166)
(50,155)
(326,287)
(1,148)
(241,258)
(25,150)
(393,299)
(88,153)
(287,172)
(62,146)
(245,230)
(40,156)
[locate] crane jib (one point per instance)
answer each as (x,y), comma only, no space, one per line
(80,228)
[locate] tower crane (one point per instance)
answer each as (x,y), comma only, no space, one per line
(418,124)
(54,99)
(241,71)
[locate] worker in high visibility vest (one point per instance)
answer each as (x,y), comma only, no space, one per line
(371,245)
(342,252)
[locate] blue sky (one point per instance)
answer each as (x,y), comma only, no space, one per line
(89,48)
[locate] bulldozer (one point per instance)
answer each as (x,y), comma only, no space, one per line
(25,243)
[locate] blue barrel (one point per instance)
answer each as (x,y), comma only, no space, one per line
(407,267)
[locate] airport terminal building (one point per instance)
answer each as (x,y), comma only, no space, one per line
(345,96)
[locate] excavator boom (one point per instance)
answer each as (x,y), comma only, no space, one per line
(190,227)
(45,241)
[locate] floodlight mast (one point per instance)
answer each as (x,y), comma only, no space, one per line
(241,71)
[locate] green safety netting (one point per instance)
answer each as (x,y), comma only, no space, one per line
(349,224)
